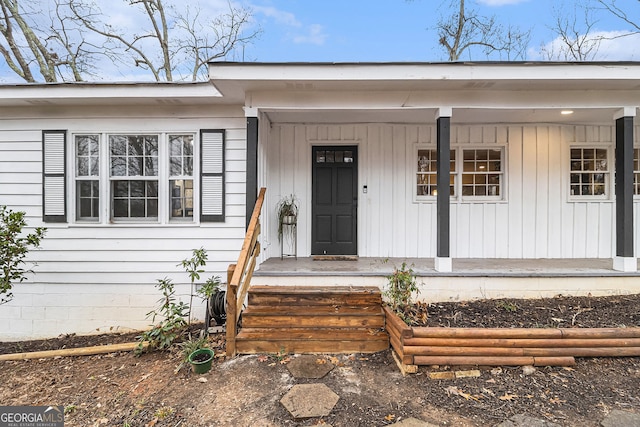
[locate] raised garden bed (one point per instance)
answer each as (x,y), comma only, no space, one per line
(423,345)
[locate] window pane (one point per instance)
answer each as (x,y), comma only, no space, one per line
(137,208)
(152,207)
(152,189)
(88,199)
(118,166)
(329,156)
(481,172)
(181,155)
(151,166)
(87,155)
(426,172)
(135,166)
(181,198)
(133,155)
(82,166)
(136,188)
(175,166)
(120,208)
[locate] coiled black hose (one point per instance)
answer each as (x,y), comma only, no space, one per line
(217,307)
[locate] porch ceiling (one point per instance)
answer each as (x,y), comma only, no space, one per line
(427,115)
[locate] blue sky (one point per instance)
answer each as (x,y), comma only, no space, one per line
(367,30)
(399,30)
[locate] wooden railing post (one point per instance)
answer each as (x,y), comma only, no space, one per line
(232,322)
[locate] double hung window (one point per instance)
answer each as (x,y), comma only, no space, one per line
(475,174)
(134,177)
(589,172)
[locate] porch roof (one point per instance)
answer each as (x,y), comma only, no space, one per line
(413,92)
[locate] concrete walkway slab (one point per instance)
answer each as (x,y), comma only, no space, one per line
(412,422)
(309,366)
(309,400)
(523,420)
(619,418)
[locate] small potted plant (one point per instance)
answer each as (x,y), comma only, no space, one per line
(287,210)
(197,354)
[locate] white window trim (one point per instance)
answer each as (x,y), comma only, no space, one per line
(105,217)
(459,198)
(609,180)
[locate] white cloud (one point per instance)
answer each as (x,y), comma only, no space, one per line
(315,35)
(500,2)
(280,16)
(613,46)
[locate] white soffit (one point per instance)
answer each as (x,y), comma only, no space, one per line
(238,80)
(426,116)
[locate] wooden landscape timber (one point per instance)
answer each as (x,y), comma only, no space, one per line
(82,351)
(418,345)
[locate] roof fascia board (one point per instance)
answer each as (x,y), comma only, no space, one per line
(125,91)
(456,72)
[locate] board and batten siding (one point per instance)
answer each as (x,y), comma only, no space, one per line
(536,219)
(101,277)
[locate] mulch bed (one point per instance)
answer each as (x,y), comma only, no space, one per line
(558,312)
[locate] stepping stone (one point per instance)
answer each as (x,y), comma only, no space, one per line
(307,366)
(619,418)
(309,400)
(523,420)
(412,422)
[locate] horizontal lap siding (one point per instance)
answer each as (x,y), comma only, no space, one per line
(535,220)
(121,253)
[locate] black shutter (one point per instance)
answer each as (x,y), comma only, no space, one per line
(212,197)
(54,180)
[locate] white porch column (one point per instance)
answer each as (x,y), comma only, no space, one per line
(443,261)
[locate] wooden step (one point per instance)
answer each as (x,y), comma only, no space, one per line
(250,320)
(313,319)
(305,310)
(311,347)
(314,295)
(319,334)
(311,340)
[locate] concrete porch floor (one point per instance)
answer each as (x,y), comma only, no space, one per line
(470,267)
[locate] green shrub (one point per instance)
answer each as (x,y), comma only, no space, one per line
(401,284)
(14,247)
(173,322)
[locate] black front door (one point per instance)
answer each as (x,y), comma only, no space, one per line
(335,200)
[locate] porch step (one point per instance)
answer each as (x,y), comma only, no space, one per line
(318,319)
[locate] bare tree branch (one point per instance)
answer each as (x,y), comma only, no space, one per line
(176,42)
(464,29)
(203,44)
(612,7)
(35,52)
(575,40)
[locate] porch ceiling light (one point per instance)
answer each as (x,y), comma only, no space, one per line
(566,112)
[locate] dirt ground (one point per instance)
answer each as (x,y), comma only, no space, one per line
(120,389)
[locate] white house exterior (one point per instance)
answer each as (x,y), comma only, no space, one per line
(106,168)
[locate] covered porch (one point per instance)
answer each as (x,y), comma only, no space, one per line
(471,277)
(470,170)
